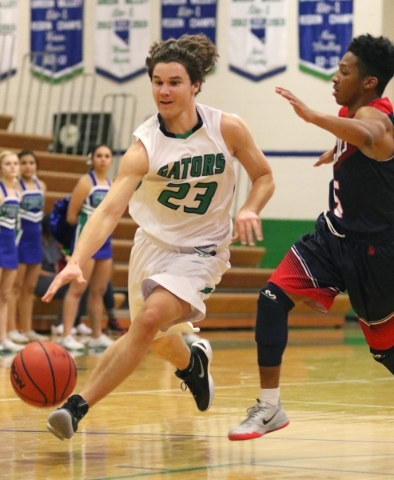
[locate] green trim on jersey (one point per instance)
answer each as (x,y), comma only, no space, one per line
(207,290)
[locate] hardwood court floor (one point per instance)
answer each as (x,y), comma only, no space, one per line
(340,403)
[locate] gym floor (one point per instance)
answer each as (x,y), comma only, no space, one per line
(340,403)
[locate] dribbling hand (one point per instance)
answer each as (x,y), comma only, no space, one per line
(71,271)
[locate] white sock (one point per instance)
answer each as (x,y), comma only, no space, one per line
(270,396)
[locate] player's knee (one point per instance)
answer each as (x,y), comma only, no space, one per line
(273,307)
(149,318)
(385,357)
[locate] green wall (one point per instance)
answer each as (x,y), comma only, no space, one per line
(279,236)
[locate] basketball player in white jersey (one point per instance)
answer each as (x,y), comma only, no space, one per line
(179,180)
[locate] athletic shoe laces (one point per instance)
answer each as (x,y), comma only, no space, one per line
(253,412)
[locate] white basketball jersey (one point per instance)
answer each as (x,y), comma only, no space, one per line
(186,196)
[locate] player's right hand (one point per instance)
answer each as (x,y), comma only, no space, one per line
(326,157)
(72,271)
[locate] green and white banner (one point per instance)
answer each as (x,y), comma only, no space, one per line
(8,37)
(257,43)
(121,38)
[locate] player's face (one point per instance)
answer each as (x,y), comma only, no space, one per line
(172,90)
(348,86)
(102,158)
(10,167)
(28,166)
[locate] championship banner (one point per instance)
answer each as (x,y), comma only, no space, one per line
(190,17)
(8,38)
(56,38)
(121,38)
(257,43)
(325,30)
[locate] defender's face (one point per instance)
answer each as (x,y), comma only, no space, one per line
(348,86)
(172,89)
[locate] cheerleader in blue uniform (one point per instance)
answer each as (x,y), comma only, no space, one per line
(30,252)
(86,196)
(9,206)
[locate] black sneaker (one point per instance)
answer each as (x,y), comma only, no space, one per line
(198,379)
(63,422)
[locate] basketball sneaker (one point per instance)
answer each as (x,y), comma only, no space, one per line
(69,343)
(35,337)
(197,379)
(9,346)
(17,337)
(58,330)
(261,419)
(63,422)
(102,342)
(83,329)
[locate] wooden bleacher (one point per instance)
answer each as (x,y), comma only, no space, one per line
(232,305)
(23,141)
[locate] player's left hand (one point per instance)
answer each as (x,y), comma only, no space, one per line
(247,228)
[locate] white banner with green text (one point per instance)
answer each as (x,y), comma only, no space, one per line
(121,38)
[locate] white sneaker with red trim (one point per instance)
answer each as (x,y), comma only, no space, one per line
(261,419)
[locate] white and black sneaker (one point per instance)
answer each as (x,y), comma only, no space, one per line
(63,422)
(197,378)
(261,419)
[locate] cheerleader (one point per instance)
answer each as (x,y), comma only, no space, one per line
(30,252)
(9,206)
(86,196)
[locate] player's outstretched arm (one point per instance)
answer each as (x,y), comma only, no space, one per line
(370,130)
(239,141)
(104,219)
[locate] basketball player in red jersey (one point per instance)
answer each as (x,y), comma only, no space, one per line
(352,247)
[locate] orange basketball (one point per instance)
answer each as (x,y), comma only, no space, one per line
(43,374)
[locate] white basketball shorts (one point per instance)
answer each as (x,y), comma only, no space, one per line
(189,276)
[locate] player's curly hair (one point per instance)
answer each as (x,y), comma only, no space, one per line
(375,57)
(196,53)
